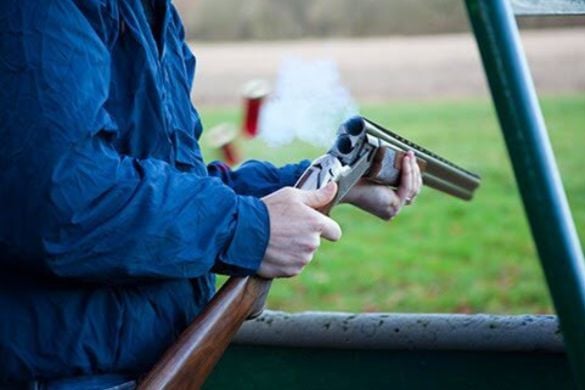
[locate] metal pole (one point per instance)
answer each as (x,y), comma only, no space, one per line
(535,169)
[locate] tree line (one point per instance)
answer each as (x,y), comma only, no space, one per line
(292,19)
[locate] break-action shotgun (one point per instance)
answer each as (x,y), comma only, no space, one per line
(362,149)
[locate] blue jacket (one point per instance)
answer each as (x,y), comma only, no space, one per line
(110,222)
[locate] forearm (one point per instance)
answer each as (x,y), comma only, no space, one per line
(256,178)
(117,218)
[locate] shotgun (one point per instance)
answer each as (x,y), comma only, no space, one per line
(362,149)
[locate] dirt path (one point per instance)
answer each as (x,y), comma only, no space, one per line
(392,68)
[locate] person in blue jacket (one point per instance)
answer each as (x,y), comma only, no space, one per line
(111,224)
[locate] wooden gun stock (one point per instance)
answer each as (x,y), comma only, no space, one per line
(191,359)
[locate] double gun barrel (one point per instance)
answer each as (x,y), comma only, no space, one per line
(360,139)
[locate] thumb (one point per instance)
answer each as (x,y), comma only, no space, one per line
(321,197)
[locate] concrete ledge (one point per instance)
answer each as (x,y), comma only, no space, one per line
(449,332)
(548,7)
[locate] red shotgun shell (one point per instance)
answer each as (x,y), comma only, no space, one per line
(254,93)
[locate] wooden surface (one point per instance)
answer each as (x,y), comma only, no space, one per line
(189,361)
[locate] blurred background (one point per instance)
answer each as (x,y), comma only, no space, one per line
(413,66)
(236,20)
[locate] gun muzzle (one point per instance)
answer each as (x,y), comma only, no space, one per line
(437,172)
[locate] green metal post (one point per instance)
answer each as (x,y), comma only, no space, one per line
(545,203)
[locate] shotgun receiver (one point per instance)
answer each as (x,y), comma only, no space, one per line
(362,149)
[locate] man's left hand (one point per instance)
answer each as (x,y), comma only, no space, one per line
(383,201)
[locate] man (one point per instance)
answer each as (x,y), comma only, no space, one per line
(111,225)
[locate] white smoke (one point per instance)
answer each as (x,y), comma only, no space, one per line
(308,102)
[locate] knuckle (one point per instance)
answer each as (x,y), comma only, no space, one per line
(310,197)
(291,272)
(317,224)
(390,212)
(288,191)
(386,215)
(302,259)
(295,271)
(317,243)
(298,268)
(312,247)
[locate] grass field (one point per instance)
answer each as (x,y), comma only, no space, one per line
(441,255)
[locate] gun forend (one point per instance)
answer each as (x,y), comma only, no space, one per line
(437,172)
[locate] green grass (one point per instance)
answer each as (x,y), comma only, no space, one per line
(441,255)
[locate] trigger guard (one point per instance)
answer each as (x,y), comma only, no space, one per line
(323,170)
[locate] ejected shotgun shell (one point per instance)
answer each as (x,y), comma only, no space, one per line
(222,137)
(254,93)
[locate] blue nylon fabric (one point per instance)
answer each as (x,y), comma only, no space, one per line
(110,222)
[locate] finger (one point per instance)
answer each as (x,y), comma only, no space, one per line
(413,183)
(411,162)
(404,188)
(328,228)
(419,180)
(321,197)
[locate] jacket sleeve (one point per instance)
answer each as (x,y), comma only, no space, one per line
(71,204)
(257,178)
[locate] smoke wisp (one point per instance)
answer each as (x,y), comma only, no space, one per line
(308,103)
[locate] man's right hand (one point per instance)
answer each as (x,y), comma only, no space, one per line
(296,229)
